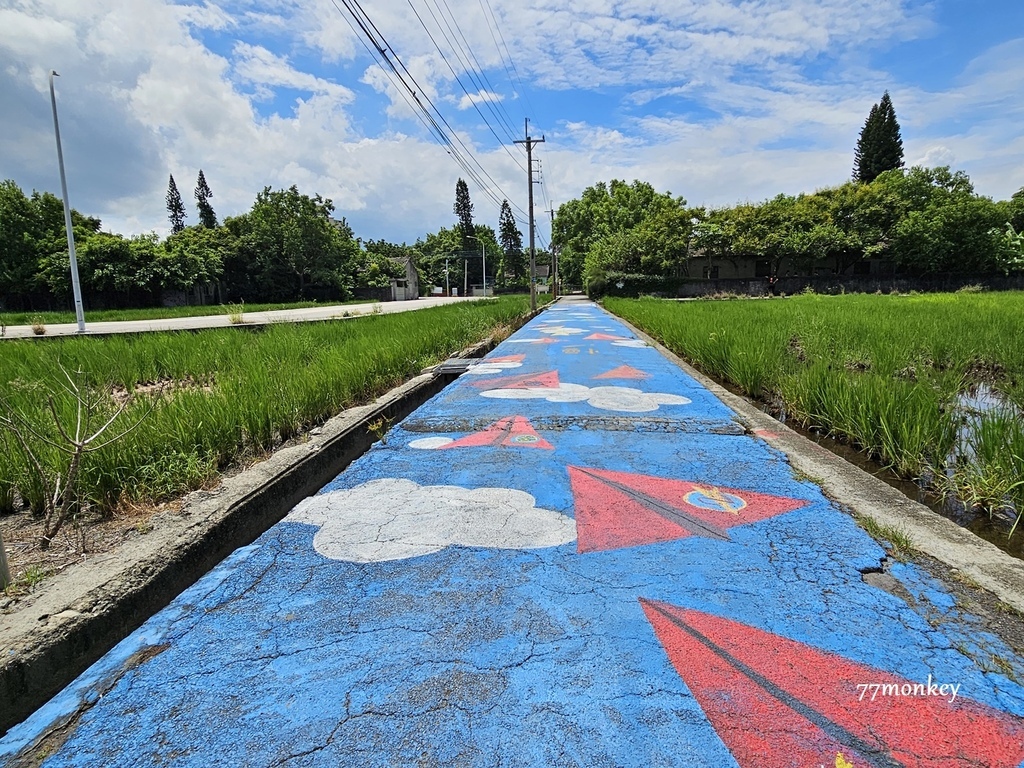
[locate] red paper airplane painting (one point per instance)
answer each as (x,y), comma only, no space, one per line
(510,432)
(618,509)
(505,359)
(624,372)
(547,380)
(775,702)
(603,337)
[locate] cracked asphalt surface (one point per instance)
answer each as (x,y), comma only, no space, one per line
(573,556)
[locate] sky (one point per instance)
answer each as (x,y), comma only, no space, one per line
(719,101)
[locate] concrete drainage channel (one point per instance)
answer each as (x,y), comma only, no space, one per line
(49,643)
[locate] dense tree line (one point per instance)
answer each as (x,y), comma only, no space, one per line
(288,247)
(921,221)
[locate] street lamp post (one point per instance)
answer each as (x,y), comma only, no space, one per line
(75,284)
(483,261)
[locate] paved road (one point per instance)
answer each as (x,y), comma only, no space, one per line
(326,312)
(573,556)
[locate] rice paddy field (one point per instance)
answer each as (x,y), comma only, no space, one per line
(931,385)
(208,400)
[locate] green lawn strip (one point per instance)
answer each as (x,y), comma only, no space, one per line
(882,371)
(160,313)
(213,398)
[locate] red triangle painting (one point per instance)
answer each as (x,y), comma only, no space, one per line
(603,337)
(776,702)
(510,432)
(547,380)
(624,372)
(505,359)
(618,509)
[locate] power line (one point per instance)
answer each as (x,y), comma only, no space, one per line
(459,81)
(403,80)
(496,108)
(515,70)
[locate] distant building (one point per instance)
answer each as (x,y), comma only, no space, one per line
(407,288)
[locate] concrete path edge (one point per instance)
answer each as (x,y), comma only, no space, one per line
(46,645)
(863,495)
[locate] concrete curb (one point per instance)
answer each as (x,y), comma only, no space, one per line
(864,495)
(95,605)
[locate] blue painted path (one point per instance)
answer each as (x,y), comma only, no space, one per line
(573,556)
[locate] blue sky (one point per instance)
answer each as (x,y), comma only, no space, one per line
(719,101)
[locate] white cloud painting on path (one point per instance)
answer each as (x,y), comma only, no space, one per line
(625,399)
(485,367)
(394,519)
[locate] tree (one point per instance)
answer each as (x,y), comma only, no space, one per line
(607,211)
(513,263)
(944,226)
(464,211)
(441,250)
(175,208)
(207,218)
(880,147)
(381,261)
(19,232)
(195,256)
(289,245)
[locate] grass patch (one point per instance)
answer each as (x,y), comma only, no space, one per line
(885,373)
(898,541)
(25,582)
(154,313)
(219,398)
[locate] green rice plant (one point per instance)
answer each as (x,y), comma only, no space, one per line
(882,372)
(217,398)
(989,472)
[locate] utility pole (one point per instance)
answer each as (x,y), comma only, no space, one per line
(76,286)
(554,256)
(529,142)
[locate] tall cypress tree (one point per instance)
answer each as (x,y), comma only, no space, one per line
(880,146)
(512,262)
(464,210)
(175,208)
(207,217)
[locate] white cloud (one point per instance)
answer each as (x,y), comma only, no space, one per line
(717,100)
(206,16)
(624,399)
(481,97)
(392,519)
(255,64)
(936,156)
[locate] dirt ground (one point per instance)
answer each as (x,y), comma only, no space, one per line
(33,567)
